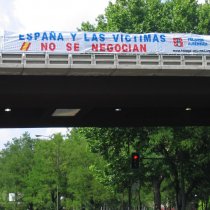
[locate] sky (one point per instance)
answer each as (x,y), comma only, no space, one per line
(41,15)
(56,15)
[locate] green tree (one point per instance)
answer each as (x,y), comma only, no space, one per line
(116,146)
(182,16)
(204,19)
(87,26)
(139,16)
(63,175)
(16,163)
(44,177)
(83,185)
(184,152)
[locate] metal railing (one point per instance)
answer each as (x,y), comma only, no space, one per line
(104,64)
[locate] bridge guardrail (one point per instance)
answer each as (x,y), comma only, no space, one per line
(104,64)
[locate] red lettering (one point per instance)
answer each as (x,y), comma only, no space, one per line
(102,48)
(117,48)
(68,46)
(125,48)
(143,48)
(110,48)
(130,48)
(95,47)
(52,46)
(135,48)
(76,47)
(45,46)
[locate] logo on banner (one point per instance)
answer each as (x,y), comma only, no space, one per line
(25,46)
(178,42)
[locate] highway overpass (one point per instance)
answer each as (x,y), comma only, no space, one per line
(50,90)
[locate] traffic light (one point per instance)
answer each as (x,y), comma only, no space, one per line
(135,160)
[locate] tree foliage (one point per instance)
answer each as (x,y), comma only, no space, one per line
(144,16)
(52,172)
(91,168)
(177,156)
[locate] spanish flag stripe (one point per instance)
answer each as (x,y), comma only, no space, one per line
(29,44)
(25,46)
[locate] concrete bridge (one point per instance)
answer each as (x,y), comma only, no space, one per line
(42,90)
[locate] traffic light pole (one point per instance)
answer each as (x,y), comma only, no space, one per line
(129,195)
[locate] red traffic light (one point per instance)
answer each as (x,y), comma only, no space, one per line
(135,157)
(135,160)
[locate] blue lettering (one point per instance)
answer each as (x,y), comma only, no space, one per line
(121,37)
(162,38)
(73,35)
(127,38)
(52,35)
(140,38)
(147,37)
(94,37)
(86,38)
(21,37)
(155,38)
(60,37)
(115,37)
(36,35)
(102,37)
(29,37)
(44,36)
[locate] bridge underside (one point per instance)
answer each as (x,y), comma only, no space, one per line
(104,101)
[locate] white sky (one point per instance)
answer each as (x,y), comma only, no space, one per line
(56,15)
(40,15)
(8,134)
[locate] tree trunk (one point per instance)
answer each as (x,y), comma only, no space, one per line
(206,204)
(130,184)
(180,192)
(157,196)
(140,204)
(129,198)
(183,194)
(30,206)
(123,205)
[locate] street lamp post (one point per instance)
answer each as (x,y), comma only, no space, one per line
(57,198)
(39,136)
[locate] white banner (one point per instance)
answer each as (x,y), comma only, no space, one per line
(99,42)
